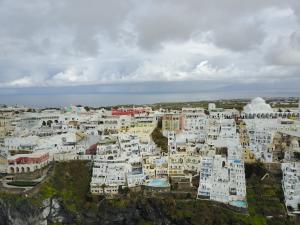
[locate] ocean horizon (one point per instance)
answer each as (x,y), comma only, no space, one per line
(110,99)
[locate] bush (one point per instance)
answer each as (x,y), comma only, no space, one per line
(255,169)
(70,183)
(160,140)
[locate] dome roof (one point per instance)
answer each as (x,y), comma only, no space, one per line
(258,100)
(258,105)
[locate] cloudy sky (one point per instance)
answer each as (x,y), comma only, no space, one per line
(77,47)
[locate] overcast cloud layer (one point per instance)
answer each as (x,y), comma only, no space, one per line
(81,43)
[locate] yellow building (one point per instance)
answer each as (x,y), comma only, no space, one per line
(249,156)
(143,126)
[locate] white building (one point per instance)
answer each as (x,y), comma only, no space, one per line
(26,163)
(195,124)
(262,124)
(223,180)
(118,163)
(291,185)
(259,109)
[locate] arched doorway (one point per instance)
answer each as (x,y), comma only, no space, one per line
(49,122)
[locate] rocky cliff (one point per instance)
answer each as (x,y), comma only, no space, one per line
(52,211)
(65,199)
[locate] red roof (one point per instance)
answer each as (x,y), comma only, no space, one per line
(128,111)
(29,160)
(91,150)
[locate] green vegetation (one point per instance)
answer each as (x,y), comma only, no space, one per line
(12,198)
(284,106)
(181,211)
(119,203)
(226,104)
(231,104)
(179,105)
(70,183)
(265,197)
(160,140)
(144,222)
(23,183)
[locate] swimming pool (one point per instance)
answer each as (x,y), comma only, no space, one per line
(239,203)
(159,183)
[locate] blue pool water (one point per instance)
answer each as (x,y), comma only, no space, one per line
(159,183)
(239,203)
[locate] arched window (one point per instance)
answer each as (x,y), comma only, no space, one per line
(49,122)
(223,164)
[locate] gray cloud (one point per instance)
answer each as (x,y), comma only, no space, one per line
(286,51)
(74,42)
(239,36)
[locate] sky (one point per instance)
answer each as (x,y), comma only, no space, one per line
(128,51)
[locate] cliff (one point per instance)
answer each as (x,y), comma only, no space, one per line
(65,199)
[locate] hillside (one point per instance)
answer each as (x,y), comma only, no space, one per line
(65,199)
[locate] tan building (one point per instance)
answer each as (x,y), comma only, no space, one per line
(172,122)
(3,164)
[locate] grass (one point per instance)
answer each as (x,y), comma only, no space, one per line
(70,183)
(23,183)
(119,203)
(265,198)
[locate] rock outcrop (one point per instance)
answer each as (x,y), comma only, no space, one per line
(52,211)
